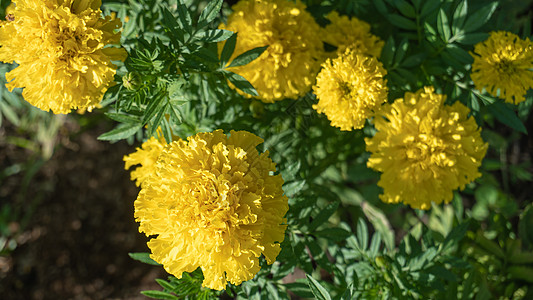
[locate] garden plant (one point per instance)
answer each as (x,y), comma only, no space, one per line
(321,149)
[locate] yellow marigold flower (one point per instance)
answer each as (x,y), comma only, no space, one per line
(349,88)
(424,149)
(504,62)
(59,48)
(352,33)
(146,156)
(288,67)
(213,203)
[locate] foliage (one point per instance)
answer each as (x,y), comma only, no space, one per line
(348,243)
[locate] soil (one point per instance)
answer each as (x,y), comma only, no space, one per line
(73,225)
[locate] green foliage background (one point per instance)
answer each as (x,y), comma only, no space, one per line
(349,244)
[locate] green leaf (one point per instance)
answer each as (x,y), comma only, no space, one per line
(214,35)
(457,234)
(525,226)
(247,57)
(144,258)
(300,289)
(334,234)
(442,26)
(210,12)
(159,295)
(429,7)
(151,108)
(240,82)
(380,6)
(172,25)
(387,54)
(228,49)
(459,16)
(405,8)
(400,51)
(317,289)
(184,17)
(401,22)
(506,115)
(362,234)
(165,284)
(324,215)
(521,273)
(292,188)
(123,131)
(123,118)
(472,38)
(480,17)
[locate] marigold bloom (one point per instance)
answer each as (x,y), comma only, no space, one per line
(424,149)
(351,33)
(213,204)
(59,47)
(349,89)
(288,67)
(504,62)
(146,156)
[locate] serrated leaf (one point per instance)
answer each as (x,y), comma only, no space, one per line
(210,12)
(151,108)
(240,82)
(480,17)
(184,17)
(227,50)
(459,16)
(247,57)
(323,216)
(159,295)
(507,116)
(401,22)
(172,26)
(144,258)
(317,289)
(442,25)
(214,35)
(123,131)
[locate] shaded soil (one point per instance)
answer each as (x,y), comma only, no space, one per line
(75,242)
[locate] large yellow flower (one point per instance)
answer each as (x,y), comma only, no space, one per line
(288,67)
(504,62)
(425,149)
(352,33)
(59,48)
(213,203)
(349,89)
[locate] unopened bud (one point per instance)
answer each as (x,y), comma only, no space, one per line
(131,81)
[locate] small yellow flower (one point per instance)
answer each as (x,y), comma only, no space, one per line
(59,46)
(212,202)
(349,89)
(351,33)
(146,156)
(424,149)
(504,62)
(288,67)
